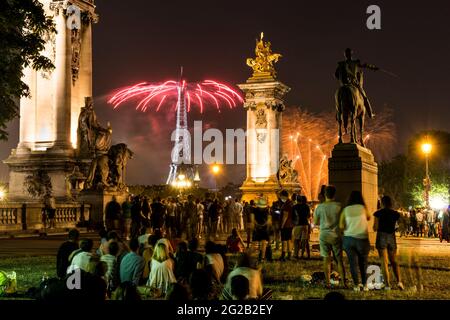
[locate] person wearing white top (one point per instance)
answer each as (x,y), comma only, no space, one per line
(161,270)
(354,222)
(244,268)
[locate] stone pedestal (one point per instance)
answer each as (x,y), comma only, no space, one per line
(264,104)
(352,167)
(98,199)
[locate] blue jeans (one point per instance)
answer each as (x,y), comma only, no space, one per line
(357,251)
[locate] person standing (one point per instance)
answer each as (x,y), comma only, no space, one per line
(112,214)
(201,218)
(126,217)
(326,216)
(158,212)
(276,222)
(431,221)
(191,218)
(213,213)
(413,222)
(301,215)
(386,244)
(286,226)
(146,212)
(248,212)
(136,218)
(444,223)
(261,220)
(354,222)
(420,225)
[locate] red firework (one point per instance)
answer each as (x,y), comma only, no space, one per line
(199,94)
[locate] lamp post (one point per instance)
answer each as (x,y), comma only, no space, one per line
(215,170)
(426,149)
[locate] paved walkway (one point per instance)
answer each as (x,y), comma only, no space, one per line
(45,246)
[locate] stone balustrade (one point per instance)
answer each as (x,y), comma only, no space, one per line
(16,216)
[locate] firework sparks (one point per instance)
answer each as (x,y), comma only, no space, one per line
(200,94)
(310,146)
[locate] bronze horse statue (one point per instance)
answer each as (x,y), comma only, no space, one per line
(350,108)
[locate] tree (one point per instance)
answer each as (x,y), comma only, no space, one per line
(402,177)
(23,30)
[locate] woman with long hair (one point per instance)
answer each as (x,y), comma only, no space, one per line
(161,270)
(354,222)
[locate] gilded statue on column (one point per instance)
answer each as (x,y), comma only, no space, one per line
(263,63)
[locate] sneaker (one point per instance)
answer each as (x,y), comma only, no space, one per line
(365,288)
(357,288)
(401,286)
(386,288)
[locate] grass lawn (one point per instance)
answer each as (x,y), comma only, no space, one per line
(282,278)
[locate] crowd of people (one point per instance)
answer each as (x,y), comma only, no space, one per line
(136,256)
(424,222)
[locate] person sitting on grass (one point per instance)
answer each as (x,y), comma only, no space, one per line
(214,263)
(80,258)
(200,285)
(132,265)
(235,244)
(64,251)
(161,270)
(126,291)
(111,260)
(240,287)
(177,293)
(246,267)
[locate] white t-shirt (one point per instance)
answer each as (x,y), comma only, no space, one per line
(81,260)
(161,274)
(356,224)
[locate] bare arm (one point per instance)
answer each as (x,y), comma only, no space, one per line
(342,220)
(375,225)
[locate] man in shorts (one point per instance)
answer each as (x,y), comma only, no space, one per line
(327,216)
(286,226)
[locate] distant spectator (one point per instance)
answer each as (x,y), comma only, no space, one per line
(132,265)
(301,215)
(113,213)
(126,216)
(235,244)
(64,251)
(161,270)
(81,258)
(103,248)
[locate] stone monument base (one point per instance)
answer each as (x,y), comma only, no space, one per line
(352,167)
(98,199)
(269,189)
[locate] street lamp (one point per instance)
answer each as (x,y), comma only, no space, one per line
(426,149)
(215,170)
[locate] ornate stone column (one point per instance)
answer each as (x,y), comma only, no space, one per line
(264,102)
(62,78)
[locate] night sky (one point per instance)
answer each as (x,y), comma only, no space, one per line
(143,40)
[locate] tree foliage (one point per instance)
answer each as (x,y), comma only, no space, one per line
(402,177)
(23,30)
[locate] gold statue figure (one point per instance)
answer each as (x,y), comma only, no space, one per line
(263,63)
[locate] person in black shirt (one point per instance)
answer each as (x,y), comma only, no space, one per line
(64,251)
(261,221)
(384,226)
(112,214)
(136,218)
(301,215)
(158,212)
